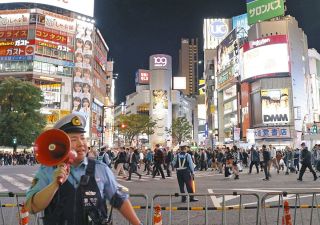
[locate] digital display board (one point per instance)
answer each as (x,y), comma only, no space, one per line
(271,54)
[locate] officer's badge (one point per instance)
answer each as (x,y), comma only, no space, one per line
(76,121)
(90,193)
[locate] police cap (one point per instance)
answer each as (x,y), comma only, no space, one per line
(72,123)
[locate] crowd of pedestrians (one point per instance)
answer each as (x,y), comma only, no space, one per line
(19,158)
(226,160)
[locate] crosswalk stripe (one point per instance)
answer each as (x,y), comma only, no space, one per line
(2,189)
(15,182)
(25,177)
(215,200)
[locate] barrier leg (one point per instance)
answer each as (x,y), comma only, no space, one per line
(206,211)
(317,210)
(300,209)
(1,212)
(240,210)
(170,211)
(312,203)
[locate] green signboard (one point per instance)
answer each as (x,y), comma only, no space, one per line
(260,10)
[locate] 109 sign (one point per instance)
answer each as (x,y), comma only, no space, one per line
(160,61)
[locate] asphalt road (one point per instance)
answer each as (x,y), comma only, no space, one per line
(215,190)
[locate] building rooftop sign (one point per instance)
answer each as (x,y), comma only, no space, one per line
(260,10)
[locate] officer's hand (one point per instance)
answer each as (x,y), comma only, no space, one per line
(61,174)
(192,176)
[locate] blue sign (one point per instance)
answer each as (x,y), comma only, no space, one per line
(272,132)
(219,29)
(248,1)
(16,58)
(240,22)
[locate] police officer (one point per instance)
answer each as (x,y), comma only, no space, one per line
(86,185)
(185,171)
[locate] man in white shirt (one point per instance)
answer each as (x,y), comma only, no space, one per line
(273,159)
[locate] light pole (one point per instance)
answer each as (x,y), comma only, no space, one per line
(211,137)
(233,122)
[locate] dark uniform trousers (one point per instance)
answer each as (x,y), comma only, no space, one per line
(303,169)
(184,178)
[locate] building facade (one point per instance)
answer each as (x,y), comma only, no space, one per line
(61,51)
(188,65)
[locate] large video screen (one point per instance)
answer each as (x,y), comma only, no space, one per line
(85,7)
(265,58)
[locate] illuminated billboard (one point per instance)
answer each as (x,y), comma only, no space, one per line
(14,19)
(85,7)
(17,50)
(143,76)
(50,36)
(275,106)
(179,83)
(13,34)
(160,99)
(266,57)
(225,51)
(214,31)
(160,62)
(260,10)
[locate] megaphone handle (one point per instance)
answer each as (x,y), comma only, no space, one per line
(60,179)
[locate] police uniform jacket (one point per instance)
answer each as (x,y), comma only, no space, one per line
(103,181)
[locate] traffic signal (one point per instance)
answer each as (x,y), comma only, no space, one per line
(123,126)
(14,141)
(314,129)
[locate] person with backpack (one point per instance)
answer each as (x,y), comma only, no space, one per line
(104,156)
(148,161)
(133,163)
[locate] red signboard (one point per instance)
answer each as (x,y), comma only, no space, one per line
(51,36)
(16,50)
(13,34)
(143,77)
(55,46)
(276,39)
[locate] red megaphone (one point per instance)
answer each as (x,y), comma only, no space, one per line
(53,147)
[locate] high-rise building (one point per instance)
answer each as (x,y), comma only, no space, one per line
(58,48)
(188,65)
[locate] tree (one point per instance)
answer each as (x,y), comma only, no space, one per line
(20,118)
(180,130)
(134,124)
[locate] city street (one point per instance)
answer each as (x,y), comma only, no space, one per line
(18,179)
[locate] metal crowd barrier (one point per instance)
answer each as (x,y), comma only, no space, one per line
(224,219)
(10,206)
(140,203)
(301,208)
(11,203)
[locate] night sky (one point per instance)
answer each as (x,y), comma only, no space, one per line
(136,29)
